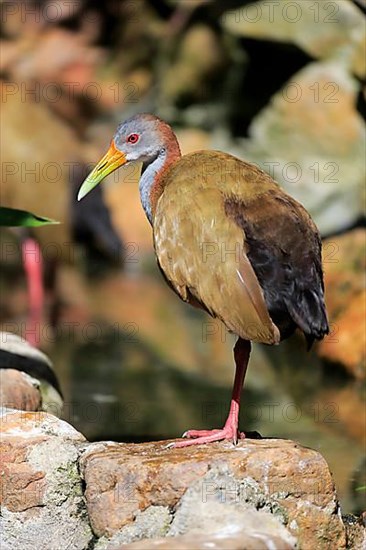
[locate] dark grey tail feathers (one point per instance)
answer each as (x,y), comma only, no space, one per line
(309,313)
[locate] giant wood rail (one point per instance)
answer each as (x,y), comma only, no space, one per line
(228,239)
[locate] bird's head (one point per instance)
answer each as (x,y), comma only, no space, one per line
(141,138)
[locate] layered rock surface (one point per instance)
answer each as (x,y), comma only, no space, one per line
(345,294)
(60,491)
(211,489)
(42,504)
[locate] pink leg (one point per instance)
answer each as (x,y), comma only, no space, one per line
(32,261)
(230,430)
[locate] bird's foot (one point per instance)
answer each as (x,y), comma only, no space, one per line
(199,437)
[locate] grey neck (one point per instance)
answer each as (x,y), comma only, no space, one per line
(150,169)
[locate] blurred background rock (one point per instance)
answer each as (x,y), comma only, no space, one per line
(279,84)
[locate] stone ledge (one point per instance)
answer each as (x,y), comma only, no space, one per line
(41,496)
(58,490)
(290,482)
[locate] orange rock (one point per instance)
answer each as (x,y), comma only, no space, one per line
(345,295)
(125,480)
(35,166)
(17,391)
(40,490)
(347,342)
(240,541)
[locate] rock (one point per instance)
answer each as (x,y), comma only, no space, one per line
(61,57)
(19,348)
(347,342)
(198,65)
(19,391)
(344,265)
(10,52)
(290,484)
(41,495)
(116,89)
(323,30)
(311,139)
(202,510)
(38,158)
(239,541)
(258,494)
(356,532)
(28,379)
(192,139)
(219,518)
(26,21)
(57,11)
(151,523)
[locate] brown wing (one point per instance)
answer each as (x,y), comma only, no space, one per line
(201,249)
(284,248)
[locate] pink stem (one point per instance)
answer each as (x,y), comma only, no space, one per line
(33,266)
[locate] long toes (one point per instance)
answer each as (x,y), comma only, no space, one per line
(189,434)
(219,435)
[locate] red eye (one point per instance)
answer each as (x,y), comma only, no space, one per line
(133,138)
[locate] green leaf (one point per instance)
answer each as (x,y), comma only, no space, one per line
(11,217)
(361,488)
